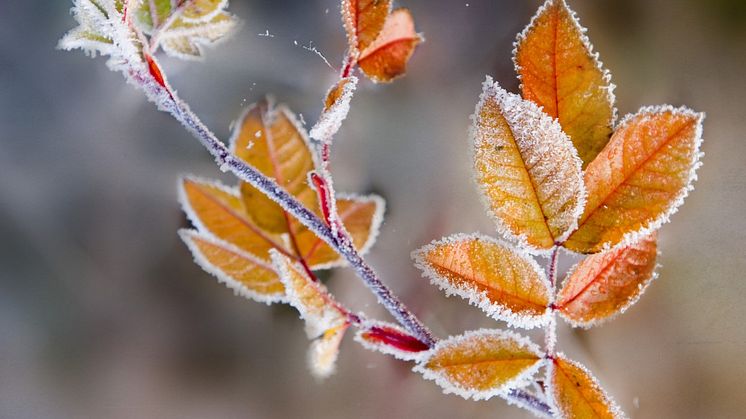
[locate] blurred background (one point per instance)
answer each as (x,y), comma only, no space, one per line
(103,314)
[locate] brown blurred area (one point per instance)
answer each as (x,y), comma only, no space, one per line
(103,314)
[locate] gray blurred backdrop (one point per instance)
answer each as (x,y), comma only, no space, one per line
(104,315)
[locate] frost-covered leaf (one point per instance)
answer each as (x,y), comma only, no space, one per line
(526,169)
(386,58)
(91,35)
(390,339)
(481,364)
(361,216)
(606,284)
(574,393)
(363,21)
(323,353)
(183,27)
(336,107)
(218,209)
(560,72)
(639,179)
(312,300)
(504,282)
(247,274)
(272,140)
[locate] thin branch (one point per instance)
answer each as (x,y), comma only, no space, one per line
(529,402)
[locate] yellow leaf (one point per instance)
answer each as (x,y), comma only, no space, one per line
(202,10)
(481,364)
(322,355)
(312,300)
(639,179)
(361,216)
(526,169)
(246,274)
(503,282)
(386,58)
(219,210)
(185,38)
(606,284)
(363,21)
(575,394)
(273,141)
(560,73)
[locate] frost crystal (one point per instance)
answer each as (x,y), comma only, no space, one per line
(335,110)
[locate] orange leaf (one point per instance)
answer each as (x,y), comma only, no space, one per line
(361,216)
(482,363)
(526,168)
(322,355)
(336,107)
(505,283)
(386,58)
(606,284)
(312,300)
(560,73)
(639,179)
(245,273)
(218,209)
(363,21)
(273,141)
(575,393)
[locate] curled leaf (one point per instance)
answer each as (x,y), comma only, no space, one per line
(386,58)
(481,364)
(312,300)
(247,274)
(606,284)
(390,339)
(560,72)
(323,353)
(574,393)
(639,179)
(336,107)
(526,169)
(505,283)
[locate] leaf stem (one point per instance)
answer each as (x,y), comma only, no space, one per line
(550,330)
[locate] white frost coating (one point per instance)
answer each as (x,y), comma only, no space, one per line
(92,26)
(331,119)
(375,227)
(382,347)
(695,163)
(586,43)
(549,383)
(479,299)
(545,149)
(318,319)
(323,353)
(449,387)
(188,236)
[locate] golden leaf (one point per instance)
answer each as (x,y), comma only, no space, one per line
(361,216)
(336,107)
(639,179)
(273,141)
(575,394)
(246,274)
(505,283)
(386,58)
(363,21)
(526,168)
(606,284)
(481,364)
(560,73)
(219,210)
(312,300)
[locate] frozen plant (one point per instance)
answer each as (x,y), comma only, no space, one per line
(554,168)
